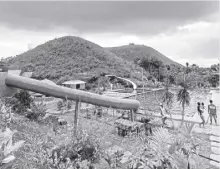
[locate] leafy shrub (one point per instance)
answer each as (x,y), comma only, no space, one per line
(78,151)
(60,105)
(63,104)
(37,111)
(21,102)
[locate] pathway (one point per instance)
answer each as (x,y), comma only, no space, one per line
(213,130)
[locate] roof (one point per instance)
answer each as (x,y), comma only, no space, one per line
(48,81)
(27,74)
(74,82)
(16,72)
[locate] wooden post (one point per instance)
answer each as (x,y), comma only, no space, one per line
(76,117)
(132,115)
(145,103)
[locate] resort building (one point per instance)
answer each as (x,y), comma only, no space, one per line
(75,84)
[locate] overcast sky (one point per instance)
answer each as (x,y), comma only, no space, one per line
(183,31)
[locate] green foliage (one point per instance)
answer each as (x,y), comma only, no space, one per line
(81,151)
(166,150)
(69,58)
(5,113)
(64,104)
(21,102)
(155,154)
(37,111)
(63,79)
(60,105)
(214,80)
(183,96)
(135,52)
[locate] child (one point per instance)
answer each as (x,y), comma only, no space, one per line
(162,112)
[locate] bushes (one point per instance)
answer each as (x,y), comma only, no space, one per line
(21,102)
(60,105)
(64,104)
(37,111)
(79,151)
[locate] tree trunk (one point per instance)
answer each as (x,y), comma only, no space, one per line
(76,117)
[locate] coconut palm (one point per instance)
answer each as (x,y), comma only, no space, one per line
(168,96)
(183,96)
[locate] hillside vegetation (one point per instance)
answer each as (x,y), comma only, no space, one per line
(134,52)
(70,56)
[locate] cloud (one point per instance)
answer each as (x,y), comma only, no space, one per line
(14,42)
(183,31)
(192,42)
(143,17)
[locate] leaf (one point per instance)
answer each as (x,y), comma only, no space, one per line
(6,136)
(8,159)
(9,148)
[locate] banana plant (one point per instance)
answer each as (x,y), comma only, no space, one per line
(8,147)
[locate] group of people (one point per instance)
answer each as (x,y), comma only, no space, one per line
(212,111)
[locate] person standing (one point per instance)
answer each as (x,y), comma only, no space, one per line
(201,109)
(162,112)
(212,112)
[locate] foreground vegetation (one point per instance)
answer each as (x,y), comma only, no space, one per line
(40,142)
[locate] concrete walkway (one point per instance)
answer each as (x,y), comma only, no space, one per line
(215,131)
(212,130)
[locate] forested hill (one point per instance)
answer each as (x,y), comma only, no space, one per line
(134,52)
(72,57)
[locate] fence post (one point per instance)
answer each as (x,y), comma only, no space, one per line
(76,117)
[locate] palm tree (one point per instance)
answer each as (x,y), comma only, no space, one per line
(168,96)
(183,96)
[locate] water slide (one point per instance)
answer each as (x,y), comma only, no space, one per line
(129,81)
(9,82)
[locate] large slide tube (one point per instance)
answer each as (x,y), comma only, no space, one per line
(72,94)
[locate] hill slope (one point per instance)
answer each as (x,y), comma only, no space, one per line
(70,56)
(132,52)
